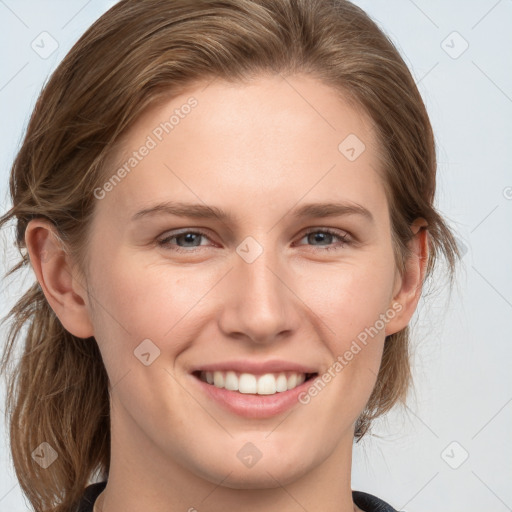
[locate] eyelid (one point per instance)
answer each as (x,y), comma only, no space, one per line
(332,231)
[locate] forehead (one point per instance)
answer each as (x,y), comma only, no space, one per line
(267,142)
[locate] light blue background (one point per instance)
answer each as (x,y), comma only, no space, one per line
(463,348)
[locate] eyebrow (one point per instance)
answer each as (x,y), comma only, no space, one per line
(202,211)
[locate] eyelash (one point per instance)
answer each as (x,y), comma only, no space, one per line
(343,238)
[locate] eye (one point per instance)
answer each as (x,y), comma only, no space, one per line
(185,241)
(188,241)
(325,236)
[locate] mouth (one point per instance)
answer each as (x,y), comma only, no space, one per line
(254,384)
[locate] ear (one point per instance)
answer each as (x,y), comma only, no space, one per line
(53,267)
(407,290)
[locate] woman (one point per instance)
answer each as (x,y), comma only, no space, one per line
(229,210)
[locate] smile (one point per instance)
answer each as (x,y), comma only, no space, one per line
(248,383)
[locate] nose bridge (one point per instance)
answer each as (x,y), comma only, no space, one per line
(260,305)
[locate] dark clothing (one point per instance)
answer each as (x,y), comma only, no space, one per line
(89,497)
(370,503)
(364,501)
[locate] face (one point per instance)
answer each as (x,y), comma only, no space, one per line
(269,284)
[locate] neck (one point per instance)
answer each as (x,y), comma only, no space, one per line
(145,476)
(98,504)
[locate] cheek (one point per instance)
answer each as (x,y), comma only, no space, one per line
(350,298)
(136,301)
(351,304)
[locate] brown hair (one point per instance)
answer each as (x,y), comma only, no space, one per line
(135,54)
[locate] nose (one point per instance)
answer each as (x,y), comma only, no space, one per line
(260,305)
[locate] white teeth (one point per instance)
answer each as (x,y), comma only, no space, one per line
(247,383)
(218,379)
(231,381)
(292,380)
(267,384)
(282,383)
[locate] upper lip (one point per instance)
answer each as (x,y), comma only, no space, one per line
(256,367)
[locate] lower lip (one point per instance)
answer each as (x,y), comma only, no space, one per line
(252,405)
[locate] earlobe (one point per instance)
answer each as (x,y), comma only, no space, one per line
(411,282)
(63,290)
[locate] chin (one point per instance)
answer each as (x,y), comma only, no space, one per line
(269,474)
(261,480)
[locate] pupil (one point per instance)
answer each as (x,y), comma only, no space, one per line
(189,237)
(321,237)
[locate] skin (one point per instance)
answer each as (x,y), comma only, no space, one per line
(258,151)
